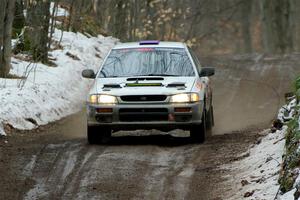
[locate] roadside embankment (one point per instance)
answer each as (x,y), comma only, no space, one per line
(40,94)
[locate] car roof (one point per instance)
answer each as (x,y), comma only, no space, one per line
(160,44)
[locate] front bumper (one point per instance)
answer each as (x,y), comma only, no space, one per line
(146,116)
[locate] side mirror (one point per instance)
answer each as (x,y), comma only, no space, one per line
(207,71)
(88,73)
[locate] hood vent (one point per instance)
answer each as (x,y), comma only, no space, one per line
(176,84)
(111,86)
(146,79)
(143,98)
(144,84)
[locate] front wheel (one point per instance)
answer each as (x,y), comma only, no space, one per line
(198,132)
(210,122)
(98,134)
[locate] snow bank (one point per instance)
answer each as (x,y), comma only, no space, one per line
(256,176)
(59,12)
(50,93)
(290,173)
(288,196)
(271,168)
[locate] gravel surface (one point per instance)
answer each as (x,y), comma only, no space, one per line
(47,164)
(55,161)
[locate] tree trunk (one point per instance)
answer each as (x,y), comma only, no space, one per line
(6,20)
(120,29)
(295,7)
(19,19)
(246,9)
(36,34)
(277,26)
(151,19)
(75,15)
(53,20)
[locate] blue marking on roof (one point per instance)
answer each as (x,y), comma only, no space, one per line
(149,42)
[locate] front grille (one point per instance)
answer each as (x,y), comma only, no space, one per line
(143,98)
(143,110)
(146,79)
(143,114)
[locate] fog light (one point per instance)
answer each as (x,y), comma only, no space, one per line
(182,109)
(104,110)
(104,118)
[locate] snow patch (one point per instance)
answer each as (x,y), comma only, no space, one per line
(2,132)
(70,164)
(188,172)
(27,171)
(287,112)
(257,175)
(51,93)
(288,196)
(59,12)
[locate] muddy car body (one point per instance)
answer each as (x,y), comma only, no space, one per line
(149,85)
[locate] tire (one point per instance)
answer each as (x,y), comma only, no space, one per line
(198,132)
(210,118)
(213,116)
(98,134)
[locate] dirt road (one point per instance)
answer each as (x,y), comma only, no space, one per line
(249,89)
(52,166)
(55,162)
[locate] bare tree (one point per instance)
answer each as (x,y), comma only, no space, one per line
(277,26)
(53,20)
(75,15)
(120,25)
(19,18)
(6,20)
(37,27)
(217,26)
(246,10)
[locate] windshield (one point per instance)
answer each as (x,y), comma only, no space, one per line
(147,62)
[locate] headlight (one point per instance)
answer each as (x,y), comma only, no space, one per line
(103,99)
(185,98)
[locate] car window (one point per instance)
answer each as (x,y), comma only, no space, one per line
(196,60)
(147,61)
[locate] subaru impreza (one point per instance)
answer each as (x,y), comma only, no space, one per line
(149,85)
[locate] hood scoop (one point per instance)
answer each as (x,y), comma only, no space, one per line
(137,84)
(110,86)
(146,79)
(177,85)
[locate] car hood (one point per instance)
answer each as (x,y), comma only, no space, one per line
(142,85)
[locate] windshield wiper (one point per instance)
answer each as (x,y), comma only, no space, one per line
(160,75)
(115,76)
(140,75)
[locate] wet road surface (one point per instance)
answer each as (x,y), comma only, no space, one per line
(55,161)
(129,167)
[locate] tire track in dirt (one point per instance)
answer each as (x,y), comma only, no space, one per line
(56,163)
(144,167)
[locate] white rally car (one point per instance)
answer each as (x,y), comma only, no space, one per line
(149,85)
